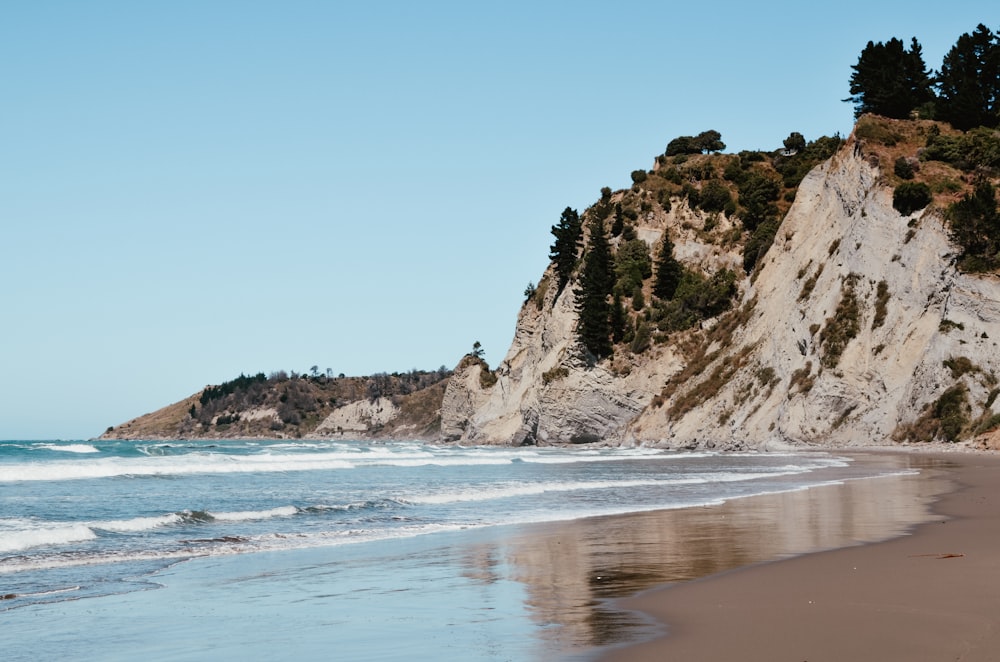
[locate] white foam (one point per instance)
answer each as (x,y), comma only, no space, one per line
(193,463)
(38,536)
(489,493)
(137,524)
(246,515)
(69,448)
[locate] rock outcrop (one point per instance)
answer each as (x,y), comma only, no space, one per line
(851,332)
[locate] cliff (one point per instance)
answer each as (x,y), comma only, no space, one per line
(856,329)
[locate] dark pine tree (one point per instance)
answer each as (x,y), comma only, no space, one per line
(619,318)
(569,234)
(668,270)
(596,282)
(975,225)
(969,81)
(889,80)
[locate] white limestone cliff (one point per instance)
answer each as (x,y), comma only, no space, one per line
(772,388)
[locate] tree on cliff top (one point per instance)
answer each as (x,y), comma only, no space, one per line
(706,141)
(889,80)
(969,81)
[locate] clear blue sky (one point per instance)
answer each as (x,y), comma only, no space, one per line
(190,190)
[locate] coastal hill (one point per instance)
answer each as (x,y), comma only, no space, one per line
(833,291)
(403,405)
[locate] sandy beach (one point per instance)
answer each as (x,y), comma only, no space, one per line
(932,595)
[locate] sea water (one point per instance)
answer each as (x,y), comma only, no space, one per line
(345,550)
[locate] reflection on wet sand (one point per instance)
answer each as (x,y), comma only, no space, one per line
(573,570)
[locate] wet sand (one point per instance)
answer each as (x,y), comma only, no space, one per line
(932,595)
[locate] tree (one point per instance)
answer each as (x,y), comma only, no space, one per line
(618,319)
(682,145)
(715,196)
(909,197)
(706,141)
(889,80)
(795,142)
(632,266)
(760,241)
(969,81)
(710,141)
(975,226)
(668,270)
(568,233)
(596,283)
(758,193)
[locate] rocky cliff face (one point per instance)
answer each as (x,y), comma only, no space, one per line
(857,329)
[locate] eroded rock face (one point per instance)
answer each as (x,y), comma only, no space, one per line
(547,391)
(854,324)
(927,314)
(357,418)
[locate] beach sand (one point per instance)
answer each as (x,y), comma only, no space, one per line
(932,595)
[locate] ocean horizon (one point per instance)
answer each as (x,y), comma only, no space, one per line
(257,549)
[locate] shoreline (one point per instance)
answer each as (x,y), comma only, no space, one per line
(930,594)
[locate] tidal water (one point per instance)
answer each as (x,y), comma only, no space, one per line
(237,550)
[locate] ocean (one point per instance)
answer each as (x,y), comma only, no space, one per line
(237,550)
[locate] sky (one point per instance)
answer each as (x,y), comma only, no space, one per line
(190,190)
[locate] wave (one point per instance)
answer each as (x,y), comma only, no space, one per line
(490,493)
(200,461)
(68,448)
(193,463)
(59,534)
(247,515)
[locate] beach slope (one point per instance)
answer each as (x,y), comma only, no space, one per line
(933,595)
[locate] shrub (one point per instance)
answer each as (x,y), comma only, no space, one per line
(487,378)
(978,148)
(881,304)
(715,196)
(801,380)
(951,409)
(638,300)
(810,284)
(641,339)
(638,176)
(902,168)
(559,372)
(632,265)
(843,326)
(697,298)
(759,243)
(909,197)
(876,130)
(959,366)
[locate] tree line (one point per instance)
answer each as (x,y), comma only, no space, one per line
(893,81)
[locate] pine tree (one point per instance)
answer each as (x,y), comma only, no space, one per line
(596,283)
(668,270)
(969,81)
(569,234)
(618,319)
(889,80)
(975,225)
